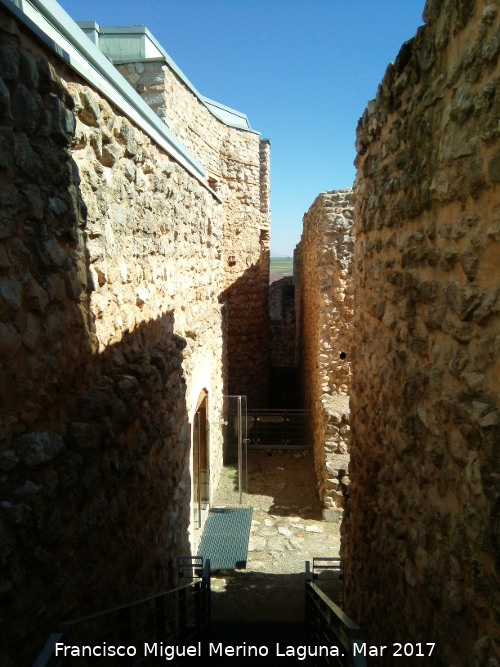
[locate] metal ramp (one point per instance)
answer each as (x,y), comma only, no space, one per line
(225,537)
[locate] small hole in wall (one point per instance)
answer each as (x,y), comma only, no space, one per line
(342,356)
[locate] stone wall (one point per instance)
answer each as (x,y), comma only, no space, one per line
(331,442)
(112,267)
(284,386)
(282,322)
(324,298)
(237,164)
(265,188)
(422,536)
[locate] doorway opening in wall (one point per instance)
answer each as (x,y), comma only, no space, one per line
(201,462)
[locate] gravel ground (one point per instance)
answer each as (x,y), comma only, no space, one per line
(286,531)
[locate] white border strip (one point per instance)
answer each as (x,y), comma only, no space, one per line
(61,34)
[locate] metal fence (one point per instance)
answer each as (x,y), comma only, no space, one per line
(278,428)
(328,575)
(326,624)
(135,634)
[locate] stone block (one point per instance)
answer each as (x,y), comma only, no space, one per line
(57,255)
(10,292)
(36,297)
(28,71)
(6,149)
(62,122)
(26,108)
(25,157)
(95,402)
(128,139)
(90,113)
(38,448)
(5,111)
(110,154)
(127,386)
(9,62)
(494,168)
(333,514)
(8,460)
(86,436)
(32,332)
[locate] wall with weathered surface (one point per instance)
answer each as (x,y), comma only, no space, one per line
(110,326)
(282,322)
(331,441)
(422,535)
(324,298)
(237,164)
(284,385)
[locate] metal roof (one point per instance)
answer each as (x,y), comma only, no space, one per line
(57,30)
(135,43)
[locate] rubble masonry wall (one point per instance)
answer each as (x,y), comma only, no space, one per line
(237,165)
(114,276)
(421,537)
(324,298)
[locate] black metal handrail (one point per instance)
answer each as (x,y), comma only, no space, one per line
(328,625)
(138,629)
(328,573)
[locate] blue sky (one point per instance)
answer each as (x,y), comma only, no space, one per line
(302,70)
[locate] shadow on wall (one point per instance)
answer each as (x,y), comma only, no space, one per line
(285,392)
(94,453)
(246,343)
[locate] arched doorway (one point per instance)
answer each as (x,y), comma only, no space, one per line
(201,462)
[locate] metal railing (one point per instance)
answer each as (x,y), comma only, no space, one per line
(327,625)
(282,428)
(328,574)
(134,634)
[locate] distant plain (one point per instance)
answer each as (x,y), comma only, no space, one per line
(280,267)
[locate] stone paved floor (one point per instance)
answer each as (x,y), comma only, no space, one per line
(286,531)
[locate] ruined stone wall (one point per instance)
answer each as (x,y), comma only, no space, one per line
(282,324)
(265,188)
(422,536)
(284,373)
(110,326)
(323,265)
(331,443)
(237,164)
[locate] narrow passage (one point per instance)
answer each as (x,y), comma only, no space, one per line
(286,531)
